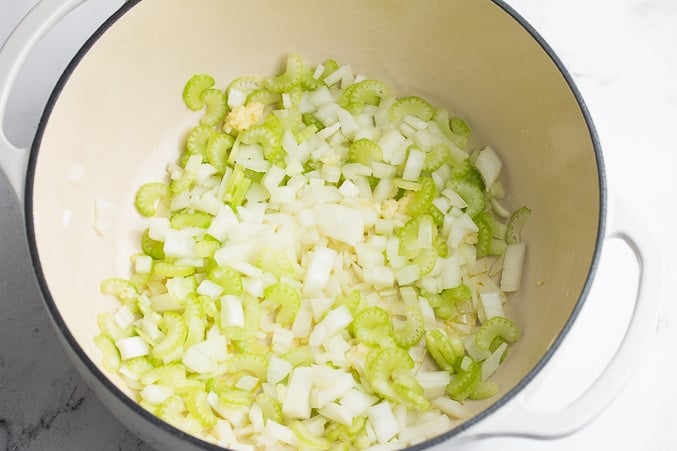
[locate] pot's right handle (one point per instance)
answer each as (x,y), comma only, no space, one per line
(32,27)
(517,420)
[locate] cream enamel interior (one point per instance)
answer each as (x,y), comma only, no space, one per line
(120,119)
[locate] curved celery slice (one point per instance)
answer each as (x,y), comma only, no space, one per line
(252,363)
(400,389)
(110,328)
(289,300)
(275,262)
(196,321)
(410,393)
(441,118)
(263,96)
(372,326)
(290,78)
(197,140)
(120,288)
(484,390)
(192,91)
(172,375)
(446,352)
(299,356)
(448,299)
(515,223)
(149,195)
(175,335)
(437,215)
(423,198)
(184,219)
(464,382)
(215,101)
(436,157)
(484,236)
(217,149)
(368,92)
(425,260)
(384,362)
(246,84)
(310,119)
(364,151)
(111,356)
(206,247)
(171,411)
(341,433)
(412,105)
(163,269)
(345,99)
(351,300)
(266,138)
(269,406)
(152,247)
(413,329)
(198,406)
(252,316)
(471,194)
(441,246)
(408,237)
(228,278)
(307,440)
(498,326)
(460,127)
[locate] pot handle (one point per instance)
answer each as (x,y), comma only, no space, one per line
(517,420)
(33,26)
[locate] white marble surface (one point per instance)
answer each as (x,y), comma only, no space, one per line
(622,57)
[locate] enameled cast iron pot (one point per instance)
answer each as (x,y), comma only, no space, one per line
(116,116)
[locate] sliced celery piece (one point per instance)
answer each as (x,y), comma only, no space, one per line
(152,247)
(423,198)
(413,329)
(364,151)
(412,105)
(149,195)
(215,101)
(463,383)
(289,300)
(192,91)
(217,149)
(197,140)
(498,326)
(515,223)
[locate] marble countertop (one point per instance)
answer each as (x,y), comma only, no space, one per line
(621,54)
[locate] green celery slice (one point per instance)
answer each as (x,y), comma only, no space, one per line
(413,329)
(149,195)
(195,86)
(463,383)
(289,300)
(364,151)
(197,140)
(175,336)
(498,326)
(198,406)
(152,247)
(217,149)
(423,198)
(446,351)
(215,101)
(412,105)
(515,223)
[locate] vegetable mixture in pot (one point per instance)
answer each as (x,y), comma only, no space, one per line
(325,268)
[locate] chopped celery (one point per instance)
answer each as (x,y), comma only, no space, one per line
(192,92)
(497,326)
(515,223)
(149,195)
(412,105)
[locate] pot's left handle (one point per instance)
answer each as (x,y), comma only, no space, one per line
(33,26)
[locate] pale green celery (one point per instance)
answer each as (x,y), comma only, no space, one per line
(246,84)
(441,118)
(248,345)
(484,390)
(195,319)
(446,307)
(295,94)
(425,260)
(120,288)
(196,402)
(252,316)
(264,96)
(163,269)
(299,356)
(183,183)
(410,393)
(471,194)
(464,382)
(351,300)
(111,357)
(364,151)
(308,440)
(195,86)
(252,363)
(436,157)
(437,215)
(184,219)
(138,365)
(152,247)
(290,78)
(440,245)
(515,223)
(340,433)
(172,410)
(110,328)
(408,185)
(198,138)
(175,335)
(270,407)
(372,326)
(365,92)
(206,247)
(237,183)
(484,236)
(498,326)
(228,278)
(149,195)
(139,280)
(423,198)
(309,119)
(309,83)
(215,101)
(412,105)
(265,137)
(446,351)
(289,300)
(217,149)
(497,247)
(275,262)
(460,127)
(413,329)
(172,375)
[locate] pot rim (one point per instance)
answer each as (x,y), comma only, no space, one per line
(94,370)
